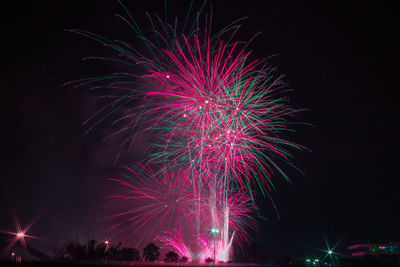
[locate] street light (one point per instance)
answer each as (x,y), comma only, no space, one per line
(20,234)
(214,231)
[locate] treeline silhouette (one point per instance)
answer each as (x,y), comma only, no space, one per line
(93,250)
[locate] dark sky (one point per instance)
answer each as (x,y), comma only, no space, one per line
(340,59)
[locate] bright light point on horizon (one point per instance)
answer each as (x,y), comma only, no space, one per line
(330,251)
(206,101)
(20,234)
(167,76)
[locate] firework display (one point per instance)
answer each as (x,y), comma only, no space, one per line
(216,115)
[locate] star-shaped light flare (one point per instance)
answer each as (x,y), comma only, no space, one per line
(19,235)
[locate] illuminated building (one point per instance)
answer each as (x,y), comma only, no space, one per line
(389,249)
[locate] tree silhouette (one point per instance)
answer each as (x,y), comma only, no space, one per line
(171,256)
(113,252)
(184,259)
(90,248)
(151,252)
(129,254)
(209,260)
(100,251)
(75,251)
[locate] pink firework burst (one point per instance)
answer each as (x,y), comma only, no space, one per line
(220,114)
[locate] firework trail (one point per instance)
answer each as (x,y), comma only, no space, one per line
(216,116)
(174,240)
(156,201)
(166,203)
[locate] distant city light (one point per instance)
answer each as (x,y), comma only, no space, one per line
(330,251)
(20,234)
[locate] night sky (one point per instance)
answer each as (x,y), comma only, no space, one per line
(339,59)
